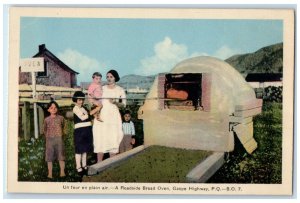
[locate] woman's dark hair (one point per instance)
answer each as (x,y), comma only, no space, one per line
(115,74)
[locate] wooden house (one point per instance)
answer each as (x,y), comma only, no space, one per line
(56,72)
(262,80)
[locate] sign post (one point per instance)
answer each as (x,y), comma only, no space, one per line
(33,65)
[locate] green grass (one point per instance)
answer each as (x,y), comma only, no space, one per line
(265,164)
(31,154)
(155,164)
(32,164)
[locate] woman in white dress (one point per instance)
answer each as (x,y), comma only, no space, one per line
(108,134)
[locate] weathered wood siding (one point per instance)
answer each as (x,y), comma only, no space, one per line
(24,78)
(56,76)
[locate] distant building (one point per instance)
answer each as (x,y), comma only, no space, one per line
(85,85)
(56,72)
(262,80)
(137,90)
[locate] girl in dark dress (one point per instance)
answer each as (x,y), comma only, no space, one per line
(83,137)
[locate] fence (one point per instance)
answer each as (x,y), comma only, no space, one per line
(45,94)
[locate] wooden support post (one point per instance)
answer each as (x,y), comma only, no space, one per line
(35,124)
(206,169)
(41,118)
(26,120)
(101,166)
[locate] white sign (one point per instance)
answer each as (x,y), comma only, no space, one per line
(32,64)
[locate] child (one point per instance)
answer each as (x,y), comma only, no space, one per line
(95,93)
(54,126)
(83,137)
(129,133)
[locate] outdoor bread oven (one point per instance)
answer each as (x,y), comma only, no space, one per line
(200,104)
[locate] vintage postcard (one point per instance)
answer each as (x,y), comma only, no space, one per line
(151,101)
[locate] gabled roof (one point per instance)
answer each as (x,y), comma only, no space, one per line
(44,51)
(263,77)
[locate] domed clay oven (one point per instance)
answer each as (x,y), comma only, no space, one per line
(200,104)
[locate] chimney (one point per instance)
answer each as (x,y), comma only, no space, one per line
(42,47)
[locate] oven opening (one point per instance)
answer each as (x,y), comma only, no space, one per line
(183,91)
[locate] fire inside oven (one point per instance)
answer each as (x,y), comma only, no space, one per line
(183,91)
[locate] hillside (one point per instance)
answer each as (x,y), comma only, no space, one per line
(265,60)
(133,81)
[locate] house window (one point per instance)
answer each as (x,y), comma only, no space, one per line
(45,73)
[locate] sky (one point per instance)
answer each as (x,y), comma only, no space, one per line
(142,46)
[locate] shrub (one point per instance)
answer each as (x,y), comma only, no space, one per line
(273,94)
